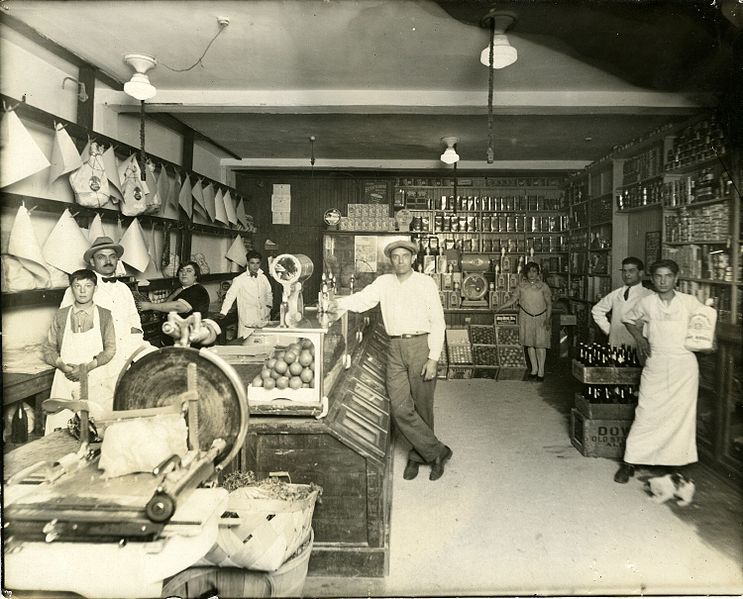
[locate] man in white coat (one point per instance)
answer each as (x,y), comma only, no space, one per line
(664,430)
(619,302)
(252,290)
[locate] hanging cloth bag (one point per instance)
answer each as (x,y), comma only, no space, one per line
(133,189)
(89,182)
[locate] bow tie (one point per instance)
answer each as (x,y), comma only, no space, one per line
(254,275)
(109,279)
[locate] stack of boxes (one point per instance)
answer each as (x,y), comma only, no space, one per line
(511,356)
(601,429)
(367,217)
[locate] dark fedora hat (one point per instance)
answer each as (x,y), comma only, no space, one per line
(401,243)
(102,243)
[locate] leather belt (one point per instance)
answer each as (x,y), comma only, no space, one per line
(407,336)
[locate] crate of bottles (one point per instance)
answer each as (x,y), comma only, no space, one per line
(606,411)
(598,437)
(606,375)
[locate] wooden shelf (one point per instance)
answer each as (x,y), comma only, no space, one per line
(599,249)
(698,242)
(32,297)
(641,181)
(701,204)
(640,208)
(694,166)
(708,281)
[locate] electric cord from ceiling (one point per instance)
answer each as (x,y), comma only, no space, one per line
(222,27)
(491,153)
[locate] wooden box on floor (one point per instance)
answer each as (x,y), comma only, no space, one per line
(348,453)
(598,438)
(459,371)
(606,375)
(605,411)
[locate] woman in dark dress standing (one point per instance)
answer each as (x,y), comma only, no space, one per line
(191,297)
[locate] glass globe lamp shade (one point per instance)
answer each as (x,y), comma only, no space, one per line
(450,156)
(139,87)
(504,54)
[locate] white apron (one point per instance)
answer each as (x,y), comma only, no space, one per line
(664,430)
(80,348)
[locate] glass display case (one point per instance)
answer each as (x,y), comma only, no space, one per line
(301,366)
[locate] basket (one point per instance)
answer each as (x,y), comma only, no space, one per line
(260,531)
(287,581)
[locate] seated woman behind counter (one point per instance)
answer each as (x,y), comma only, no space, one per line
(191,297)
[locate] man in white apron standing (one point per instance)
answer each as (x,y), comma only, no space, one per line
(81,334)
(664,430)
(619,302)
(103,257)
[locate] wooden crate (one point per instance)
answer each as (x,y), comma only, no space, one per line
(458,347)
(605,411)
(606,375)
(598,438)
(481,334)
(485,355)
(507,335)
(509,373)
(459,372)
(485,371)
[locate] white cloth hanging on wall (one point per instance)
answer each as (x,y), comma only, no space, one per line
(185,197)
(229,206)
(95,230)
(19,155)
(236,253)
(24,266)
(220,214)
(66,244)
(65,157)
(135,254)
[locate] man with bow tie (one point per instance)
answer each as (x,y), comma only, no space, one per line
(252,290)
(619,302)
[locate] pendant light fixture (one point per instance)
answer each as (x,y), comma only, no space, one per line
(139,86)
(499,53)
(450,155)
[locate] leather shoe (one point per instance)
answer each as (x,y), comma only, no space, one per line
(625,472)
(437,468)
(411,470)
(540,379)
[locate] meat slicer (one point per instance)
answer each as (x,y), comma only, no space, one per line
(291,270)
(64,496)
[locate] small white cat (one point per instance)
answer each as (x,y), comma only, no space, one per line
(663,488)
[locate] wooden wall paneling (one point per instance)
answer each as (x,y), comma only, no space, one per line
(639,223)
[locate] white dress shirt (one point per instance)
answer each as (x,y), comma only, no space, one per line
(615,303)
(254,301)
(410,307)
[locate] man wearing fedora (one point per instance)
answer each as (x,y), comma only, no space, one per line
(103,257)
(414,320)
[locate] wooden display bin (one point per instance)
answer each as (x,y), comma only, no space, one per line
(598,437)
(348,453)
(606,375)
(605,411)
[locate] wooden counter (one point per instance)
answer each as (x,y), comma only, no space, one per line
(347,453)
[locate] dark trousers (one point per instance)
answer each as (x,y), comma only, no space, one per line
(411,397)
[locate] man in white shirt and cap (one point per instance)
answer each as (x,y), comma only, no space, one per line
(103,257)
(414,320)
(619,302)
(252,291)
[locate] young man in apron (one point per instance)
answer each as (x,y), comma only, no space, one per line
(80,335)
(664,430)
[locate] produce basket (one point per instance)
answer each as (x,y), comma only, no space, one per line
(481,334)
(265,523)
(512,363)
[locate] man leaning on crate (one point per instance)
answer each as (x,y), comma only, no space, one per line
(414,320)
